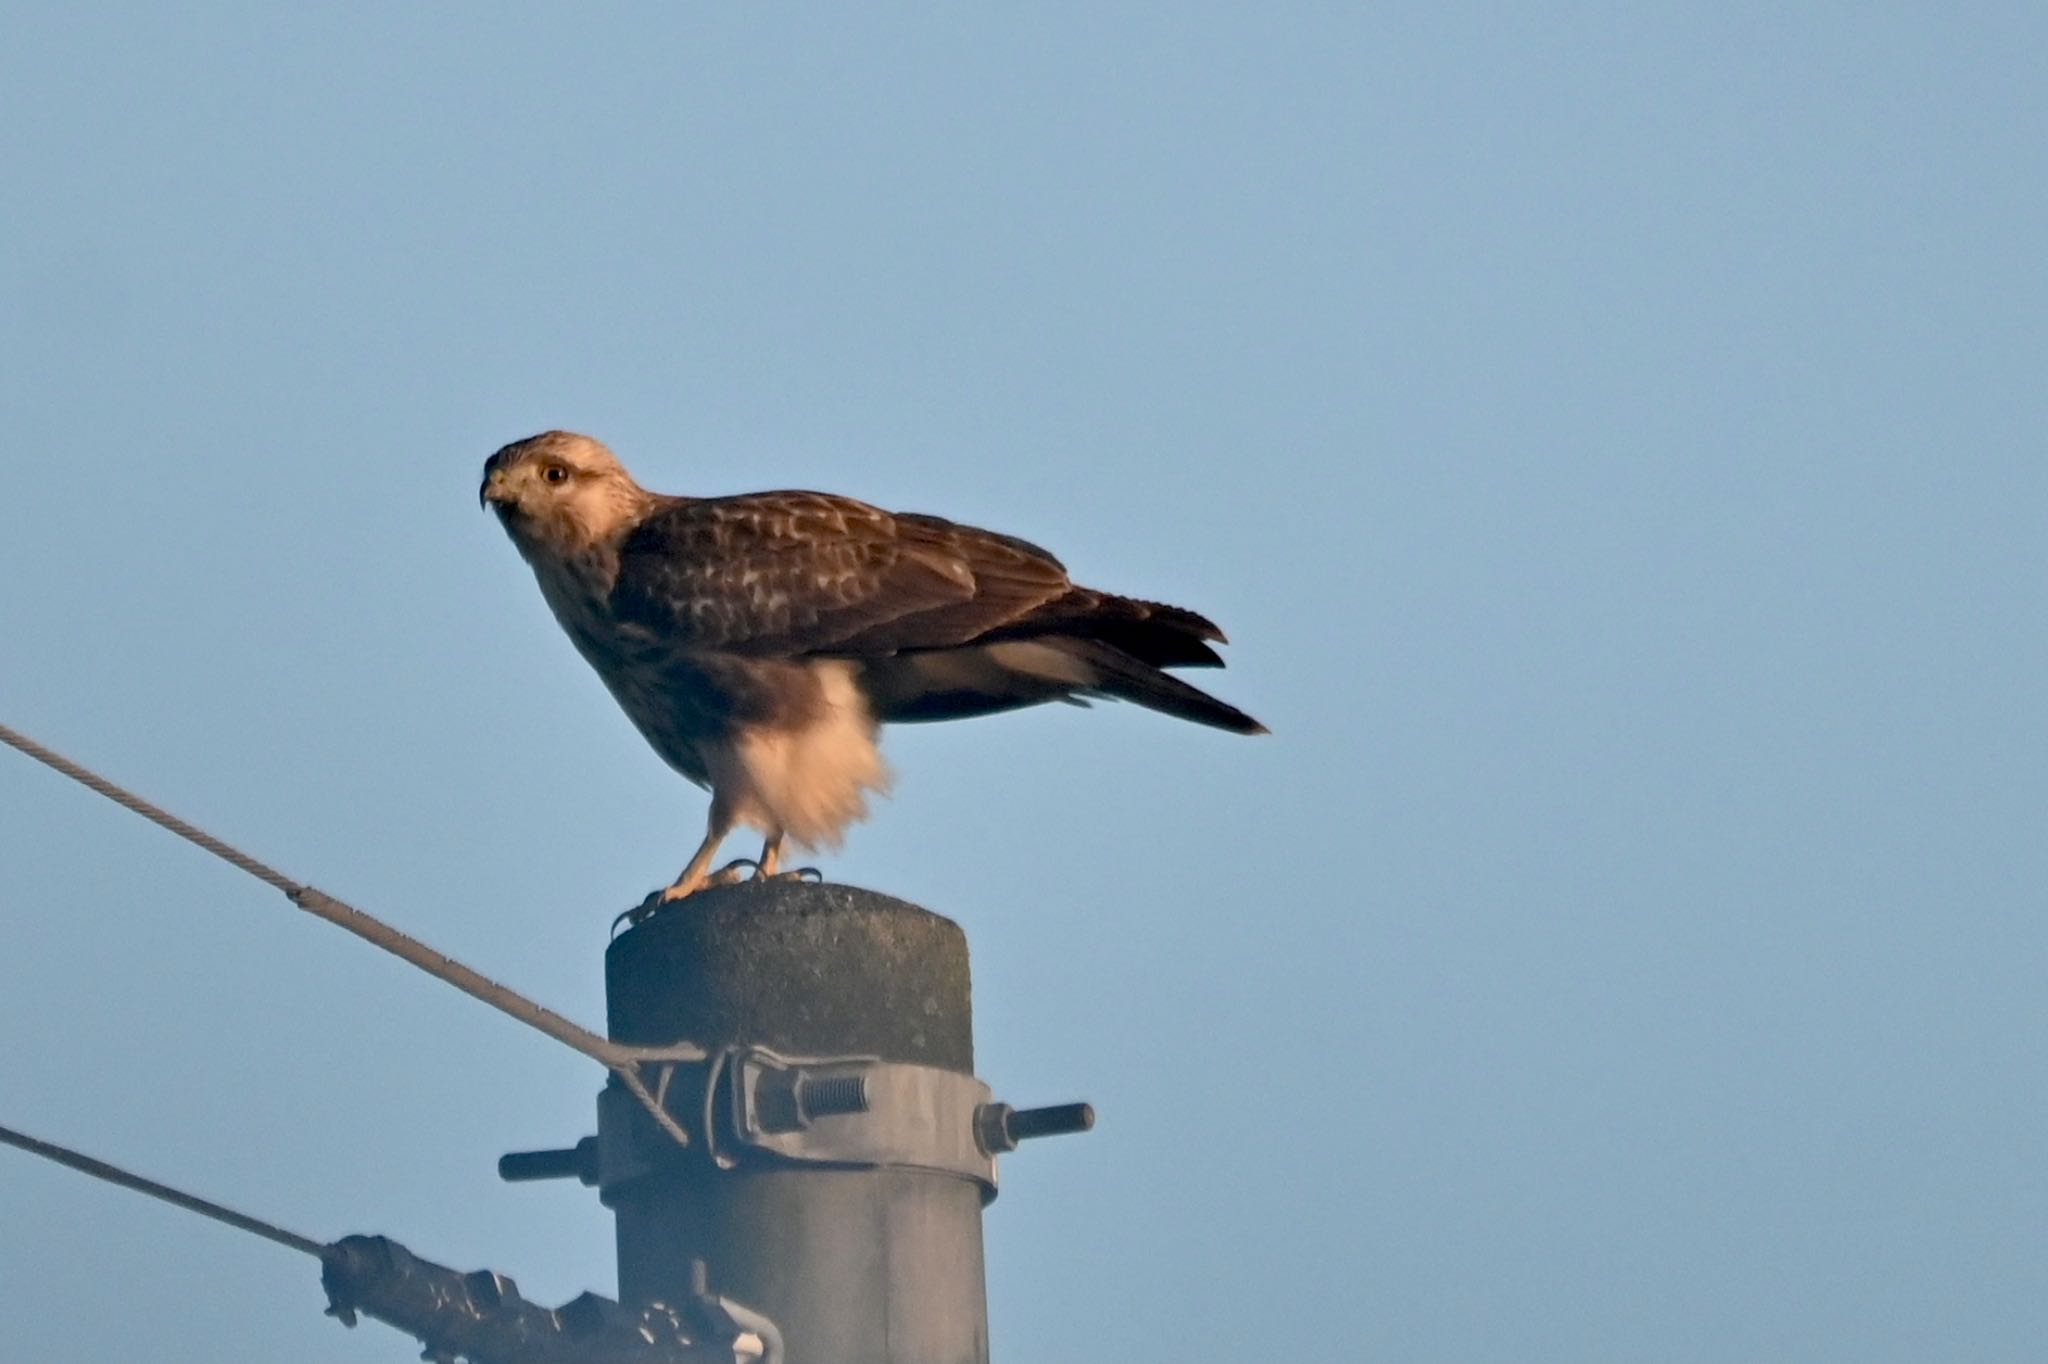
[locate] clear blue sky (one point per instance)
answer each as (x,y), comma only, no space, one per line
(1612,436)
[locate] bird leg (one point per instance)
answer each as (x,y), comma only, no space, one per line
(767,869)
(697,875)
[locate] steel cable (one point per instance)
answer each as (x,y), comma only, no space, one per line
(624,1061)
(114,1174)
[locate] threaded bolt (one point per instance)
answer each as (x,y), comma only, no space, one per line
(820,1096)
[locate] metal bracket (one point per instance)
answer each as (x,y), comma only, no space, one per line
(747,1104)
(854,1111)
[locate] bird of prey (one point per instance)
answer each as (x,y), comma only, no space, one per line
(759,641)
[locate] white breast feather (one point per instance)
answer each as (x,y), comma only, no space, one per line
(811,782)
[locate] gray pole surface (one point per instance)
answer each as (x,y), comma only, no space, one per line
(857,1266)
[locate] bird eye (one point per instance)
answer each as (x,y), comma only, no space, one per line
(555,473)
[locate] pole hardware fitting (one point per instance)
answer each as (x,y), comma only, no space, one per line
(790,1100)
(481,1317)
(851,1111)
(748,1105)
(722,1318)
(576,1162)
(999,1127)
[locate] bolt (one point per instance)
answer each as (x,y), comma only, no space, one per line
(818,1096)
(999,1127)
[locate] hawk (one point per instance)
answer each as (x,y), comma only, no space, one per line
(760,641)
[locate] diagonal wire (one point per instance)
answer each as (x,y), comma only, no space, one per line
(622,1060)
(93,781)
(114,1174)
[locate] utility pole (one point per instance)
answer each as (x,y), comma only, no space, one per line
(841,1149)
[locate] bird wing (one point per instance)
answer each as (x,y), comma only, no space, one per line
(793,573)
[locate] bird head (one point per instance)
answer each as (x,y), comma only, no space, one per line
(560,488)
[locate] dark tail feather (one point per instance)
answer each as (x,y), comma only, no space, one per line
(1130,679)
(1163,644)
(1149,631)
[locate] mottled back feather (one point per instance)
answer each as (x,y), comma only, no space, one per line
(802,573)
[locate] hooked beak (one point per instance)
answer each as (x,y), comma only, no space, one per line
(493,489)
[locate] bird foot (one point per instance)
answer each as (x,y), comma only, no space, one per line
(769,869)
(727,875)
(638,914)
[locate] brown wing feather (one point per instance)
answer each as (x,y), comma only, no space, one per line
(789,573)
